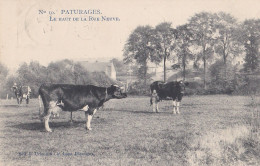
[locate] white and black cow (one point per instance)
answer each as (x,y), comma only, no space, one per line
(167,91)
(66,97)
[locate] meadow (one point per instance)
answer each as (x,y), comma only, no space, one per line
(210,130)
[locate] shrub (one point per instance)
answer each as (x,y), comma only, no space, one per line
(138,88)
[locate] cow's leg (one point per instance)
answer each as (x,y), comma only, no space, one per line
(46,122)
(178,105)
(27,100)
(53,109)
(95,110)
(174,106)
(157,107)
(89,116)
(41,115)
(154,106)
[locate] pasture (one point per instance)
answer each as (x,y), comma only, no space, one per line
(211,130)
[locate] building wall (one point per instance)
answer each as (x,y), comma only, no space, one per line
(106,67)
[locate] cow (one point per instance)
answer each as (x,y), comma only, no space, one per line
(18,93)
(26,93)
(67,97)
(167,91)
(21,92)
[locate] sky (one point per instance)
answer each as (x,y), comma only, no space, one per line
(27,33)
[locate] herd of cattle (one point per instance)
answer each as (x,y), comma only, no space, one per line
(90,98)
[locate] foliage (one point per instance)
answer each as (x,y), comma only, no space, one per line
(60,72)
(165,37)
(139,48)
(3,72)
(184,54)
(228,37)
(138,88)
(203,30)
(228,43)
(223,77)
(100,79)
(247,84)
(209,41)
(3,75)
(251,41)
(195,88)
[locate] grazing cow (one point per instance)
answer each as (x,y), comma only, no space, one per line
(167,91)
(65,97)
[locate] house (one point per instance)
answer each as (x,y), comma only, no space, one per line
(107,67)
(157,71)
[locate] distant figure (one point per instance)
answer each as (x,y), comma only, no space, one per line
(21,92)
(15,87)
(154,99)
(26,93)
(18,93)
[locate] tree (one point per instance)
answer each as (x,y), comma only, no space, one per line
(165,42)
(101,79)
(3,73)
(61,72)
(202,27)
(3,80)
(251,40)
(228,44)
(32,75)
(139,48)
(6,88)
(184,41)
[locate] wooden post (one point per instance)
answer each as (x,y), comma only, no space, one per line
(71,117)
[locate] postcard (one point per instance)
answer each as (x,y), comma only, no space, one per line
(129,82)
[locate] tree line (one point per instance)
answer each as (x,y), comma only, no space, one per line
(64,71)
(209,41)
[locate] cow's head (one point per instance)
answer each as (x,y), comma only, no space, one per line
(182,84)
(117,92)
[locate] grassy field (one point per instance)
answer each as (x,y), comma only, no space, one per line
(211,130)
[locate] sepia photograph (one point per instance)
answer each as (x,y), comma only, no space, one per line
(130,82)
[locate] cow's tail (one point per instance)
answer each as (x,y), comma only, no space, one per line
(40,106)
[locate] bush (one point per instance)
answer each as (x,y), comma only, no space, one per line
(249,85)
(138,88)
(194,88)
